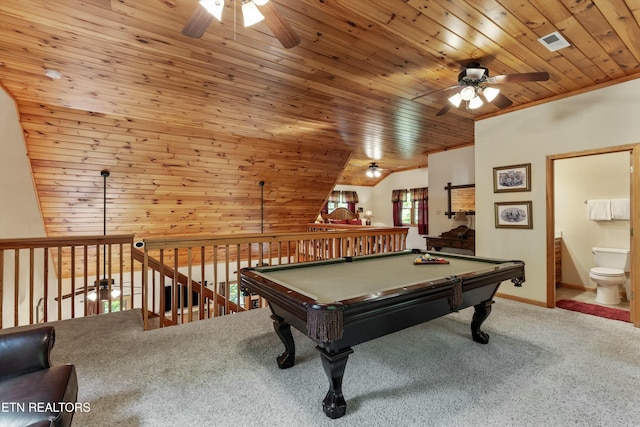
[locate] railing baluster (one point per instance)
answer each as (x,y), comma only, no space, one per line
(86,279)
(31,285)
(224,260)
(73,282)
(16,285)
(1,287)
(46,284)
(216,283)
(189,284)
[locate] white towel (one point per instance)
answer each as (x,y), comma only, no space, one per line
(599,210)
(620,209)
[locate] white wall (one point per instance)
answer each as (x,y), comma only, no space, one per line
(603,176)
(453,166)
(601,118)
(19,211)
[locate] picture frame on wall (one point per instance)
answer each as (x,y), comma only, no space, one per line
(513,214)
(512,178)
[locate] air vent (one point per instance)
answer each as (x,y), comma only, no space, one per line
(554,41)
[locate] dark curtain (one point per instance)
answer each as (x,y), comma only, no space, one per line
(421,195)
(423,217)
(334,197)
(397,198)
(351,198)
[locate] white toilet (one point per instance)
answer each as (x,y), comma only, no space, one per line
(612,266)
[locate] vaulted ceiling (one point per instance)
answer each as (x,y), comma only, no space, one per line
(190,127)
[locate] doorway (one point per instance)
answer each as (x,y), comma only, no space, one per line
(615,234)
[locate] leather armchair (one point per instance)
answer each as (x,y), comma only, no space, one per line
(32,392)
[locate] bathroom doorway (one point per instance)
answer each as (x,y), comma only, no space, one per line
(572,177)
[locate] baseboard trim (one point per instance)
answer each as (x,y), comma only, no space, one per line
(576,287)
(524,300)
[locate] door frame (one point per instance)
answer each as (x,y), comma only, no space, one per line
(634,151)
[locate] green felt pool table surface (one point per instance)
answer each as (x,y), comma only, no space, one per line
(340,280)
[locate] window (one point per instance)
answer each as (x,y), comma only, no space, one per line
(409,211)
(342,199)
(410,207)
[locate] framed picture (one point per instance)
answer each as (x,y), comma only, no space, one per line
(512,178)
(513,215)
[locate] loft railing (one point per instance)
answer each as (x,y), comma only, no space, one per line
(216,261)
(45,279)
(175,280)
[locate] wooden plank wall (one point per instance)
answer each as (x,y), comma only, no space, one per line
(171,180)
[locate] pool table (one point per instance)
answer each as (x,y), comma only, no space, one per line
(343,302)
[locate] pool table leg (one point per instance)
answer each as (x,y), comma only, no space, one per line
(283,330)
(481,313)
(334,405)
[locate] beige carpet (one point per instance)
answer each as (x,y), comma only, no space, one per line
(542,367)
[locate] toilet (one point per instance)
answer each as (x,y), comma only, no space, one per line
(610,272)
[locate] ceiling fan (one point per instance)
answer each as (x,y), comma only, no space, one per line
(99,290)
(473,84)
(253,11)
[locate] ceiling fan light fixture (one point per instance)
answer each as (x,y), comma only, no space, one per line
(214,7)
(104,294)
(456,100)
(490,93)
(373,171)
(250,13)
(476,73)
(475,103)
(468,93)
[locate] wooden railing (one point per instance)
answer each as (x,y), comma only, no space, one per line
(217,260)
(175,280)
(53,277)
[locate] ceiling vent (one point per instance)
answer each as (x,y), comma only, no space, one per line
(554,41)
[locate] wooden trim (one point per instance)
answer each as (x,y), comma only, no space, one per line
(524,300)
(576,287)
(52,242)
(561,96)
(635,238)
(550,237)
(634,150)
(593,152)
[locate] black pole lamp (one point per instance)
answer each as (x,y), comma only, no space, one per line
(102,285)
(261,206)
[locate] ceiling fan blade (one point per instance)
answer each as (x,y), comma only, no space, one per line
(198,23)
(279,26)
(539,76)
(502,101)
(79,291)
(456,86)
(444,110)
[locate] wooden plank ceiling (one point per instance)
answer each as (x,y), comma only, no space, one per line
(188,128)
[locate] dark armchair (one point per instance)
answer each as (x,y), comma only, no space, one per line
(32,392)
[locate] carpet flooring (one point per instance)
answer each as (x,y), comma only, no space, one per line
(541,367)
(595,310)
